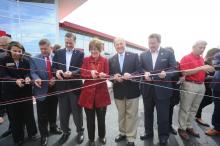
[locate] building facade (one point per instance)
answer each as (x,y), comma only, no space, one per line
(84,35)
(28,21)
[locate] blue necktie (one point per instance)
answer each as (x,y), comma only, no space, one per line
(121,61)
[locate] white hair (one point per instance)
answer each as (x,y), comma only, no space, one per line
(199,42)
(119,39)
(5,39)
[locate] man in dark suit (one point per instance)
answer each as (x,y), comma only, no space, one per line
(66,64)
(216,92)
(41,69)
(158,61)
(122,65)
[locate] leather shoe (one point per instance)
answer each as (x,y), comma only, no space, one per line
(130,144)
(212,132)
(163,142)
(120,138)
(192,132)
(63,138)
(43,141)
(146,136)
(91,143)
(173,131)
(183,134)
(102,140)
(55,131)
(80,137)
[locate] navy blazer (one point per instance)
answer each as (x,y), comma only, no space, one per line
(59,63)
(125,89)
(165,61)
(39,71)
(216,78)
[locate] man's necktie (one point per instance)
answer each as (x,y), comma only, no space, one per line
(49,68)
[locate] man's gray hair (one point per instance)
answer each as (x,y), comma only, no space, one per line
(5,39)
(44,42)
(156,36)
(119,39)
(199,42)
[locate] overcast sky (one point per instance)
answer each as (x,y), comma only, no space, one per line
(180,22)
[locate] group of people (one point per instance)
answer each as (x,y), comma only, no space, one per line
(76,82)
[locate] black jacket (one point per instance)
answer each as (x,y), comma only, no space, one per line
(10,73)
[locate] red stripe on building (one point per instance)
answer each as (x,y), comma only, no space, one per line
(80,29)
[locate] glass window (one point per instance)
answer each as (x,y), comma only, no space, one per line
(79,43)
(9,9)
(38,14)
(28,22)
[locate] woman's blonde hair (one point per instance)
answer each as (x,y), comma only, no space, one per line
(96,43)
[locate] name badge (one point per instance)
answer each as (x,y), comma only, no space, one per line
(163,60)
(10,64)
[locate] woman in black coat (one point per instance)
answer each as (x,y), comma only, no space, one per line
(16,68)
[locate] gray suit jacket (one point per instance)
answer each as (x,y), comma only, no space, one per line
(165,61)
(39,71)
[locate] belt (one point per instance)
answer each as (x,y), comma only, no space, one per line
(196,82)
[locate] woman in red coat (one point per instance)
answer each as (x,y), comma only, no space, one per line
(95,98)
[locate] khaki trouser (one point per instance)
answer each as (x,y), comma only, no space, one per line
(189,103)
(128,117)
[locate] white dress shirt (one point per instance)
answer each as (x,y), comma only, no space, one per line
(154,56)
(69,54)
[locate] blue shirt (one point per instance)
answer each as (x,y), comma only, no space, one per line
(121,58)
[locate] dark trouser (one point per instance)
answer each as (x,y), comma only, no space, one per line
(162,107)
(21,114)
(30,123)
(216,113)
(2,107)
(68,103)
(205,101)
(9,119)
(47,113)
(171,116)
(90,117)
